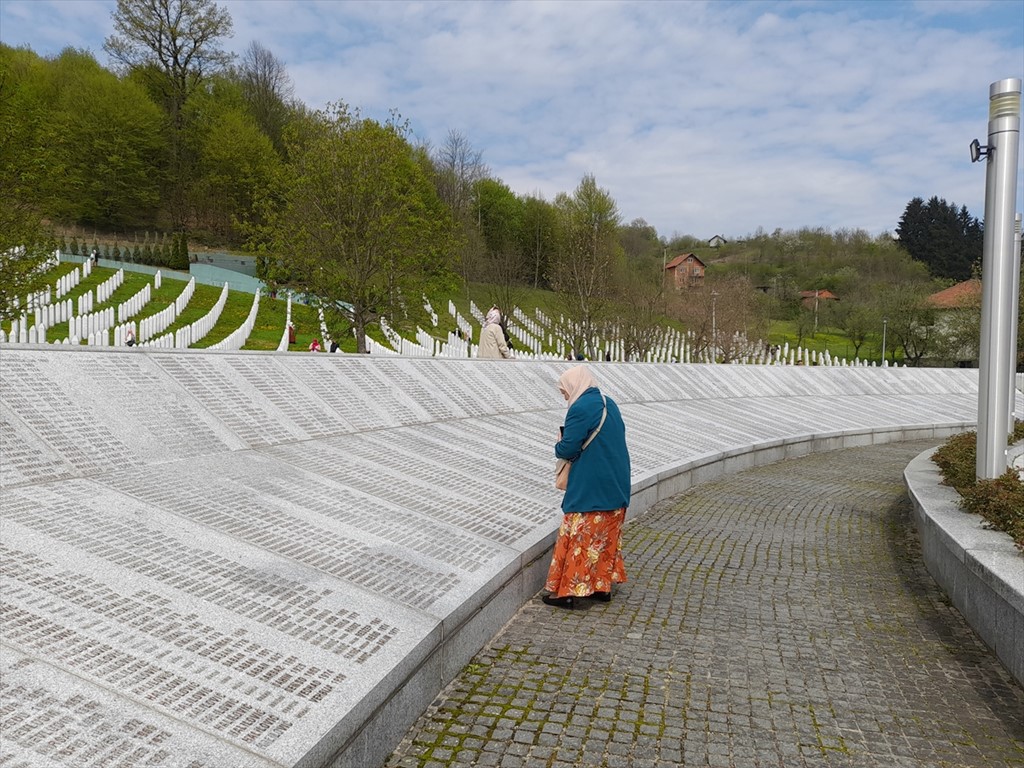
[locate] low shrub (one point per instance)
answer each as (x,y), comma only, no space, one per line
(1000,501)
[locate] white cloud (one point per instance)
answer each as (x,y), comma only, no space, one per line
(700,117)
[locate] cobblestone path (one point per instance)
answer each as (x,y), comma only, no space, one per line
(778,617)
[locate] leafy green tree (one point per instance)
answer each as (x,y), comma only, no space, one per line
(357,221)
(639,239)
(584,271)
(503,266)
(235,163)
(268,92)
(106,136)
(637,313)
(946,239)
(25,244)
(538,236)
(173,45)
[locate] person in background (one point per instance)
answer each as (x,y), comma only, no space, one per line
(291,332)
(492,340)
(587,558)
(334,346)
(129,338)
(314,346)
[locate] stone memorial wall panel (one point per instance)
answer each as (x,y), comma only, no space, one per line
(356,390)
(24,458)
(249,416)
(200,568)
(378,519)
(657,437)
(159,419)
(54,719)
(487,387)
(417,490)
(527,466)
(297,403)
(634,383)
(41,396)
(429,393)
(436,465)
(213,499)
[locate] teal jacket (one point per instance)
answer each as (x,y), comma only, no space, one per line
(600,475)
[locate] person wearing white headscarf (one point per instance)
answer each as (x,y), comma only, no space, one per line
(492,338)
(587,558)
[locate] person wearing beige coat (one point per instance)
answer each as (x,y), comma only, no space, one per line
(492,338)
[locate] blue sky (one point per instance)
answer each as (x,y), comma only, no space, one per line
(702,118)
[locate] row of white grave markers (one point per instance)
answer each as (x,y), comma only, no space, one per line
(133,305)
(237,338)
(324,333)
(67,283)
(430,310)
(49,315)
(105,289)
(188,335)
(283,345)
(154,324)
(460,322)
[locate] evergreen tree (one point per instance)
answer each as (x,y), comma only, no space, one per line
(946,239)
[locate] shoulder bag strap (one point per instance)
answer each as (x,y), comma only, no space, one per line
(593,434)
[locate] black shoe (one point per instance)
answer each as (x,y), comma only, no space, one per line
(604,597)
(558,602)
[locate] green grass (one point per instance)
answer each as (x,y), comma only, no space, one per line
(271,318)
(834,340)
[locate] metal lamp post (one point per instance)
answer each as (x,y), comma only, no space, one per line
(996,278)
(714,329)
(885,324)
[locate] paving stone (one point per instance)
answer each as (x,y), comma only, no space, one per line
(779,617)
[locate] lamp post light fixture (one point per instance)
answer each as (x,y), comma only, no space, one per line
(885,323)
(997,281)
(714,329)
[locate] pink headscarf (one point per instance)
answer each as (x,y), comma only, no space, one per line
(575,382)
(493,317)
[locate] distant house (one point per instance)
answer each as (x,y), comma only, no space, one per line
(957,296)
(809,298)
(717,241)
(685,271)
(958,318)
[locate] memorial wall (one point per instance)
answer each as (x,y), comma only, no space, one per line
(235,560)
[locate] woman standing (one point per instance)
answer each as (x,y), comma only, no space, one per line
(492,339)
(588,552)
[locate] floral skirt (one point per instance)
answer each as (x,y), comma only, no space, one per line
(588,554)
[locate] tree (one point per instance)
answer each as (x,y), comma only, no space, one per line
(173,44)
(107,141)
(503,265)
(948,240)
(638,239)
(637,314)
(268,91)
(725,316)
(358,221)
(24,243)
(457,169)
(538,237)
(583,273)
(235,162)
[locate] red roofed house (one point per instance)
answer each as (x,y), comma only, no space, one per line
(808,298)
(958,318)
(685,271)
(957,296)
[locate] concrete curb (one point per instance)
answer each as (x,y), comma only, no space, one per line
(980,570)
